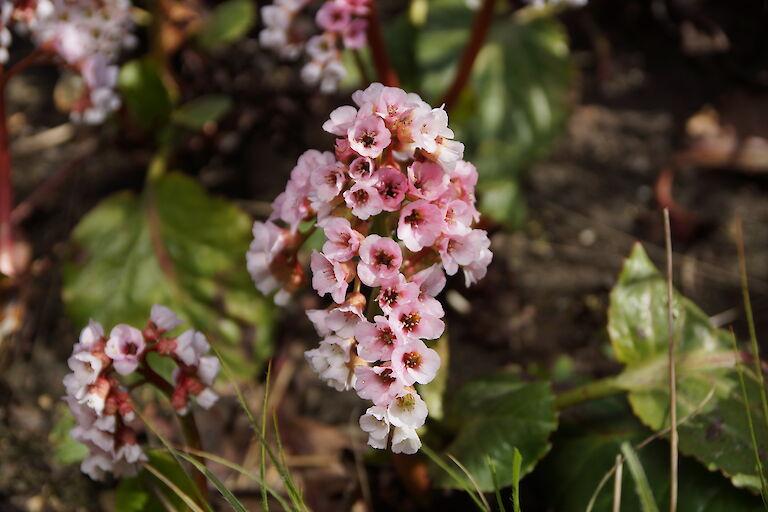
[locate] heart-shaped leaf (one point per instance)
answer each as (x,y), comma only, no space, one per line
(491,417)
(175,246)
(585,450)
(716,430)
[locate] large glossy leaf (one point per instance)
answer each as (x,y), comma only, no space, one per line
(708,394)
(491,417)
(585,450)
(516,101)
(177,246)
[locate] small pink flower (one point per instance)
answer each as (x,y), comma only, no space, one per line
(369,95)
(377,384)
(427,180)
(328,181)
(429,127)
(341,120)
(407,410)
(329,276)
(420,224)
(164,319)
(343,150)
(363,200)
(415,362)
(343,241)
(375,423)
(458,217)
(464,177)
(376,340)
(461,250)
(268,241)
(369,136)
(476,270)
(124,347)
(340,320)
(392,185)
(91,336)
(333,17)
(355,36)
(380,260)
(405,440)
(191,345)
(447,153)
(396,292)
(358,7)
(431,282)
(413,321)
(362,171)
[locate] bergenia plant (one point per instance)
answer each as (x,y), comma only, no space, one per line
(396,203)
(343,24)
(100,401)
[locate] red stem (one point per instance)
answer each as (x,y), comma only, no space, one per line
(384,69)
(6,189)
(480,29)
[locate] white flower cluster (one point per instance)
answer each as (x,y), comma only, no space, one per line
(101,404)
(85,35)
(344,26)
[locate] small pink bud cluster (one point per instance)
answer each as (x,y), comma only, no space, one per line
(85,36)
(397,206)
(344,26)
(101,404)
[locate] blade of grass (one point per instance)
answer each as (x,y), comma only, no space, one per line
(471,479)
(496,490)
(453,474)
(263,466)
(173,487)
(240,469)
(617,484)
(750,317)
(643,489)
(285,475)
(167,444)
(517,463)
(753,437)
(643,444)
(293,491)
(673,441)
(231,499)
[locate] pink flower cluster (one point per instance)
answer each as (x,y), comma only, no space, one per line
(344,26)
(101,404)
(85,36)
(396,204)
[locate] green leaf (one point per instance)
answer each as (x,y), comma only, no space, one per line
(176,246)
(717,432)
(230,21)
(202,110)
(493,416)
(144,93)
(133,496)
(585,449)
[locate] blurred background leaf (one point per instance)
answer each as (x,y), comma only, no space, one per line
(206,109)
(516,102)
(176,246)
(144,93)
(227,23)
